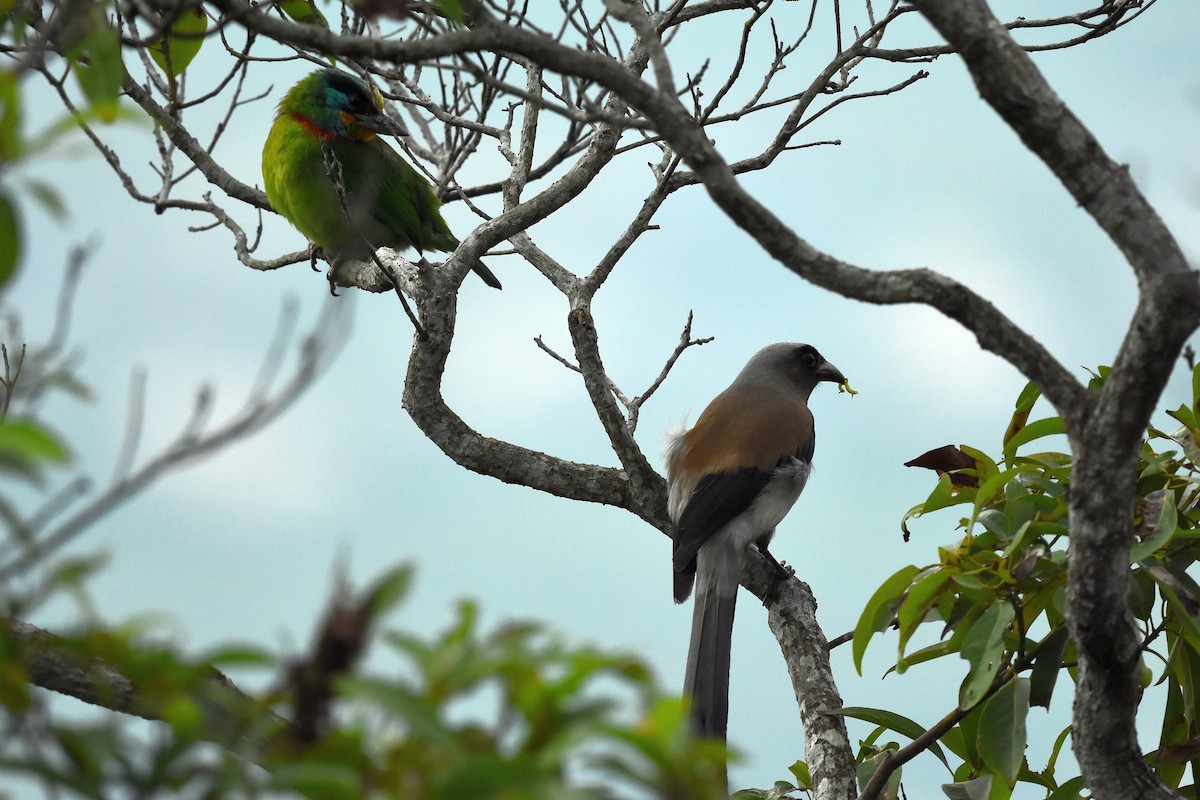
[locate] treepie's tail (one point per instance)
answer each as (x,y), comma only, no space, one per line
(706,681)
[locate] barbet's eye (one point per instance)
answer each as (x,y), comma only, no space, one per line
(356,103)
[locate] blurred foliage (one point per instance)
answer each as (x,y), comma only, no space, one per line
(30,449)
(511,712)
(506,713)
(997,598)
(10,149)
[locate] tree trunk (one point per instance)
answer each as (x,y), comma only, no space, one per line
(1109,681)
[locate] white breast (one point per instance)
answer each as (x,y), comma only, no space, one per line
(773,504)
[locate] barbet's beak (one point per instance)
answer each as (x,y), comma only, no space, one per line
(828,372)
(382,123)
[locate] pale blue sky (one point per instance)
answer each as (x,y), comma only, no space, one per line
(242,546)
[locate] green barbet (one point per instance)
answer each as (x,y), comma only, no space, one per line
(386,203)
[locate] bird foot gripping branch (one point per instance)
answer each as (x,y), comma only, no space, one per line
(384,271)
(783,572)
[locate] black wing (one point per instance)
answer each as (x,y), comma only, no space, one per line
(716,500)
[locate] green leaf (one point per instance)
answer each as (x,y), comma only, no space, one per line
(984,466)
(1054,751)
(916,604)
(47,197)
(1174,592)
(228,655)
(866,768)
(1164,529)
(1035,430)
(782,790)
(1024,536)
(493,776)
(317,779)
(390,589)
(969,726)
(1175,731)
(879,611)
(399,701)
(1002,735)
(892,721)
(937,650)
(982,648)
(64,381)
(10,116)
(942,496)
(993,485)
(969,581)
(800,772)
(1025,402)
(1180,715)
(14,679)
(184,716)
(976,789)
(1099,377)
(453,11)
(303,11)
(1028,396)
(1196,388)
(1187,416)
(29,442)
(75,570)
(1071,790)
(1047,665)
(182,43)
(10,239)
(953,739)
(97,64)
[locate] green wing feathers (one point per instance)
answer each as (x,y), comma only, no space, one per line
(403,202)
(389,203)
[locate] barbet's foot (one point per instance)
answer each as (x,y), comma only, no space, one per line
(342,272)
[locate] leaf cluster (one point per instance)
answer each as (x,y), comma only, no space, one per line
(91,47)
(996,600)
(30,449)
(467,712)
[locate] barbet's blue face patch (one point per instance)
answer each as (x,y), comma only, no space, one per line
(350,97)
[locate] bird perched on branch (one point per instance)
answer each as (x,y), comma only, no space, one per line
(327,171)
(732,478)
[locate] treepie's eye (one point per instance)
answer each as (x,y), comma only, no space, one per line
(809,358)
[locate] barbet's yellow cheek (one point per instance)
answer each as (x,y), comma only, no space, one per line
(357,131)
